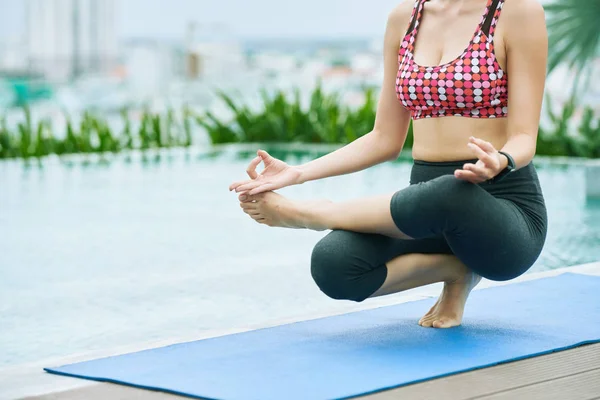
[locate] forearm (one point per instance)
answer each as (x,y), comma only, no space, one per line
(366,151)
(521,146)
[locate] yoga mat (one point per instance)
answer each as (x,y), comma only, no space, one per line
(366,351)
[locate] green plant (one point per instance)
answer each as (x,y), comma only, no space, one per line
(187,126)
(126,141)
(25,134)
(573,35)
(6,141)
(589,135)
(283,118)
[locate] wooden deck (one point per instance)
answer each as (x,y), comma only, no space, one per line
(572,374)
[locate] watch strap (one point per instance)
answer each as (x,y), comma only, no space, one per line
(510,167)
(511,161)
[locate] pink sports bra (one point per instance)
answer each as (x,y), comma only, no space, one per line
(472,85)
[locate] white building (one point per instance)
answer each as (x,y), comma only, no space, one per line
(66,38)
(151,66)
(219,56)
(11,55)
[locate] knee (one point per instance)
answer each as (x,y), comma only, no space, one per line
(451,186)
(334,270)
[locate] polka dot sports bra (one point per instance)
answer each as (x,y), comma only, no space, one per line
(472,85)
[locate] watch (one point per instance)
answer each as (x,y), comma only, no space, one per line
(510,167)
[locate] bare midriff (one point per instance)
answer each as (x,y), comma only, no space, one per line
(446,138)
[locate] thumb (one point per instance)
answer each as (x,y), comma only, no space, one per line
(264,155)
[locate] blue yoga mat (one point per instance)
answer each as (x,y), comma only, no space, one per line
(366,351)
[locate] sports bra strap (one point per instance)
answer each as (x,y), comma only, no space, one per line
(489,26)
(414,16)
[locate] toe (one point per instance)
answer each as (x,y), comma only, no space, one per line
(444,323)
(255,197)
(439,323)
(248,206)
(430,314)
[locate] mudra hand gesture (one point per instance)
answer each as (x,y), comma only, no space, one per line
(276,175)
(490,162)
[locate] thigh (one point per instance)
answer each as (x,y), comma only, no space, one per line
(491,235)
(494,237)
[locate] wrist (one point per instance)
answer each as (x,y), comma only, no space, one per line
(507,165)
(503,162)
(301,175)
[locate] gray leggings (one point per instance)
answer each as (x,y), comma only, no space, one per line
(497,230)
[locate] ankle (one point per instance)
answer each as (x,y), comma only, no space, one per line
(317,215)
(456,273)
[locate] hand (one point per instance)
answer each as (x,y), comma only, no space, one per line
(490,162)
(277,174)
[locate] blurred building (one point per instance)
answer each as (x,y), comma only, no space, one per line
(213,53)
(67,38)
(151,65)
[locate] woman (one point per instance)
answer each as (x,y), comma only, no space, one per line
(474,206)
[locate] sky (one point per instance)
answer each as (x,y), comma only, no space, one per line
(245,18)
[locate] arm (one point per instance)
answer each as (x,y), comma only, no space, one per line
(386,139)
(383,143)
(527,54)
(527,51)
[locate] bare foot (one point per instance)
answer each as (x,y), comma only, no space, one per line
(273,209)
(448,310)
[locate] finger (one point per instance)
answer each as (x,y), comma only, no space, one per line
(486,146)
(481,172)
(234,185)
(264,155)
(481,154)
(249,185)
(251,170)
(237,184)
(267,187)
(467,176)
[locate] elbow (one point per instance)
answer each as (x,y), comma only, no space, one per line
(393,154)
(389,149)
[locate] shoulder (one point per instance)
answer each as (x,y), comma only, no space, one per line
(399,16)
(523,8)
(519,14)
(523,20)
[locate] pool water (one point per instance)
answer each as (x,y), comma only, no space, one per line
(99,256)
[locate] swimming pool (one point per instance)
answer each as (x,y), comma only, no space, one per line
(99,256)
